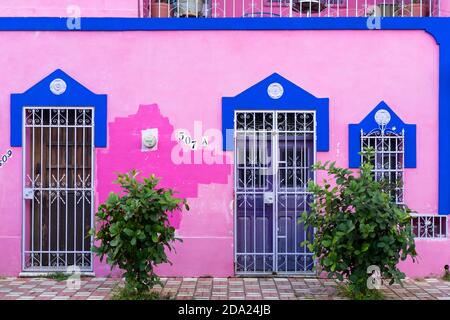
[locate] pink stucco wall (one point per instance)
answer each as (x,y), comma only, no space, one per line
(172,79)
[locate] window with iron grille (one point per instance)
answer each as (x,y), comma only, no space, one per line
(394,144)
(388,164)
(323,2)
(388,159)
(427,226)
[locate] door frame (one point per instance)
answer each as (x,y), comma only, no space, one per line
(275,163)
(84,270)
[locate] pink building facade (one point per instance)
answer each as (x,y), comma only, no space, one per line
(80,97)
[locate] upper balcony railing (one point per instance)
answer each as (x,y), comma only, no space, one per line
(289,8)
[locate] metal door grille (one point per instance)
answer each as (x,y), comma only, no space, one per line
(58,188)
(274,152)
(388,160)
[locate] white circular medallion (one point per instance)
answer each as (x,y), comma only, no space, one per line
(150,141)
(382,117)
(275,90)
(58,86)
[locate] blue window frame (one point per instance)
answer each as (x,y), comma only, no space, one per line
(394,125)
(275,93)
(59,90)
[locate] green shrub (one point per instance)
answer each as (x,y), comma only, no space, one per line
(446,276)
(357,225)
(126,294)
(58,276)
(134,230)
(346,290)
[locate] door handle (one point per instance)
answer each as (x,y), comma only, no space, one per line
(268,197)
(28,194)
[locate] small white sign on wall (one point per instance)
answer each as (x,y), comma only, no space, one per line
(193,144)
(149,139)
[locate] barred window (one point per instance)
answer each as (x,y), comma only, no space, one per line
(388,160)
(429,226)
(312,3)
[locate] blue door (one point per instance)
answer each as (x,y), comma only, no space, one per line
(274,152)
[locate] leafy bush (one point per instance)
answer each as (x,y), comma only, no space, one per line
(357,225)
(134,230)
(125,294)
(346,290)
(446,275)
(58,276)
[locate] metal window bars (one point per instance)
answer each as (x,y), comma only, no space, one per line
(388,160)
(274,152)
(389,164)
(58,162)
(288,8)
(428,226)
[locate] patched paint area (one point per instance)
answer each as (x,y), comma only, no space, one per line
(124,154)
(207,234)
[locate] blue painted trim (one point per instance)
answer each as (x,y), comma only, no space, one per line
(293,98)
(137,24)
(76,95)
(443,39)
(368,124)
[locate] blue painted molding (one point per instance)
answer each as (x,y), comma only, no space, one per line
(75,95)
(142,24)
(368,124)
(442,37)
(293,98)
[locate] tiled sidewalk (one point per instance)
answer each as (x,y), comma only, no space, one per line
(216,288)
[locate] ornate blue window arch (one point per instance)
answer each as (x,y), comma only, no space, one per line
(275,93)
(59,90)
(369,124)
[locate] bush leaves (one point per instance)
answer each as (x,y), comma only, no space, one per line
(357,225)
(133,228)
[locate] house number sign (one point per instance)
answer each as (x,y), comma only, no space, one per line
(192,143)
(5,157)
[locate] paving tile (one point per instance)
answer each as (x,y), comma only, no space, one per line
(26,286)
(96,298)
(104,289)
(99,279)
(61,298)
(26,298)
(190,279)
(48,294)
(185,294)
(82,294)
(14,294)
